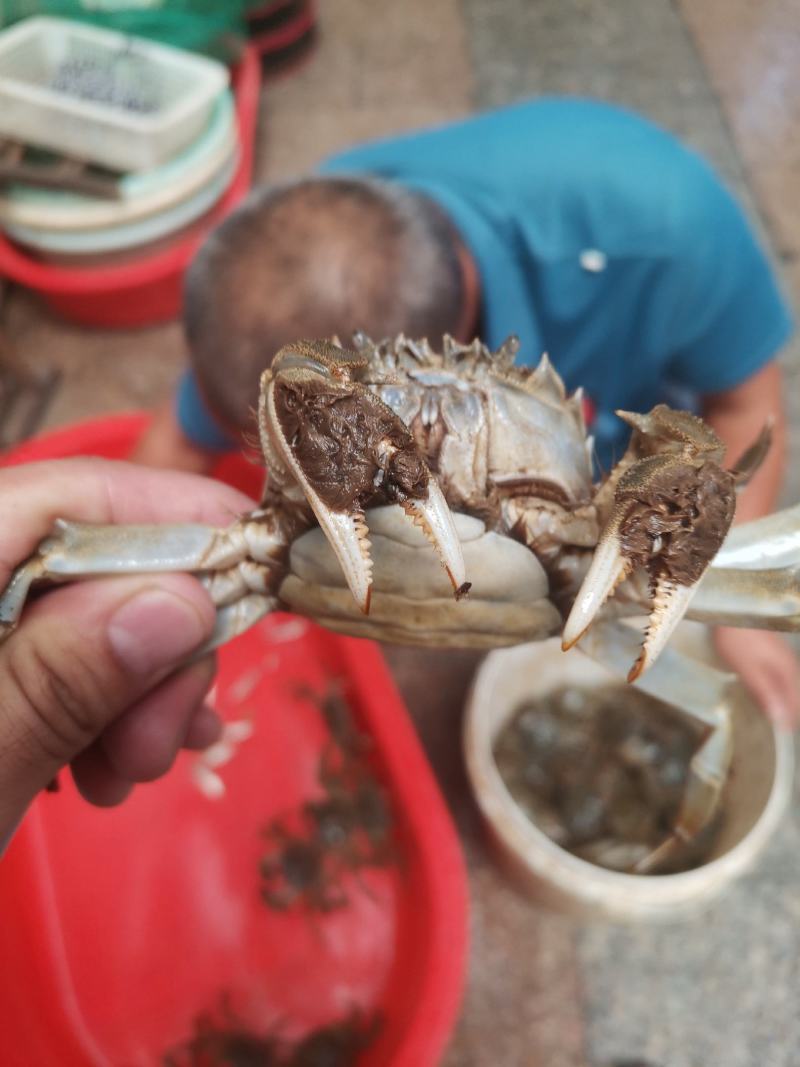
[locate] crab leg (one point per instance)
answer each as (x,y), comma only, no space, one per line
(754,579)
(767,599)
(15,594)
(234,619)
(224,559)
(346,449)
(698,690)
(767,543)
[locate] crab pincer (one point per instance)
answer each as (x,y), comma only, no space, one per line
(348,451)
(672,509)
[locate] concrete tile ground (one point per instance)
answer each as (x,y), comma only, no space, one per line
(396,68)
(632,52)
(751,53)
(102,370)
(718,992)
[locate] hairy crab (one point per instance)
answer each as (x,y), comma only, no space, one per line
(374,455)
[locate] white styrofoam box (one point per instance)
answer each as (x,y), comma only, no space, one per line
(147,100)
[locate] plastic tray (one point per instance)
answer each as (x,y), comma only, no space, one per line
(122,925)
(177,87)
(144,290)
(141,195)
(129,235)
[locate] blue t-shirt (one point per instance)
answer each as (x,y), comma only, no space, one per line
(601,240)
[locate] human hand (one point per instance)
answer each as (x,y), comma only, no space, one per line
(769,669)
(89,677)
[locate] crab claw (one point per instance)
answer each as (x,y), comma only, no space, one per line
(434,518)
(347,450)
(348,536)
(670,602)
(608,568)
(670,516)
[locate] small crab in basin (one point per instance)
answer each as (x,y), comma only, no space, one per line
(382,458)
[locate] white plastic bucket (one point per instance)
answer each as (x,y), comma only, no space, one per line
(755,798)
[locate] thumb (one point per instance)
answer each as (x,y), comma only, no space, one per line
(81,656)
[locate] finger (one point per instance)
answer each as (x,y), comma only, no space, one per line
(85,654)
(97,781)
(104,491)
(141,744)
(205,729)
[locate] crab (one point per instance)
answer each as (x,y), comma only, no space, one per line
(297,871)
(383,457)
(352,818)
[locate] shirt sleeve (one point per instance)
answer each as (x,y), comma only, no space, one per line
(195,420)
(729,314)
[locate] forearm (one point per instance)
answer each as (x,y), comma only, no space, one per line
(738,416)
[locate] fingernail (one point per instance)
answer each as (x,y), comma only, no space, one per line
(155,629)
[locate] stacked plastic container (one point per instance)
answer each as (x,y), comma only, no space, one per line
(170,126)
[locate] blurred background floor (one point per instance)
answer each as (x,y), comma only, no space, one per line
(725,75)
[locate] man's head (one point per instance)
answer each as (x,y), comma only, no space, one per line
(313,259)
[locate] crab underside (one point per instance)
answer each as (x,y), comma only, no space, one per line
(382,459)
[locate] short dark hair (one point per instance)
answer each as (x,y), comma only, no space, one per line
(316,258)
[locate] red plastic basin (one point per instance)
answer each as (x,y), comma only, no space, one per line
(120,927)
(146,290)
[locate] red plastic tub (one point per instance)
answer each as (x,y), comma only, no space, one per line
(142,291)
(120,927)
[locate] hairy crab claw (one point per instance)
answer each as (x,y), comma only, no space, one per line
(673,505)
(347,450)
